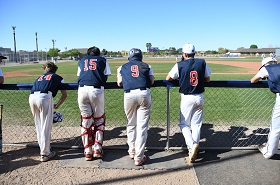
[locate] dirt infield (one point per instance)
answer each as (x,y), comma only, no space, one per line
(252,67)
(17,73)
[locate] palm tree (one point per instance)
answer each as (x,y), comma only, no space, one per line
(148,46)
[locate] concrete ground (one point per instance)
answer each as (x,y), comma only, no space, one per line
(211,166)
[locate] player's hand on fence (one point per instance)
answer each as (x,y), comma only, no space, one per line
(56,106)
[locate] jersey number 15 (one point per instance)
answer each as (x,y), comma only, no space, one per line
(91,66)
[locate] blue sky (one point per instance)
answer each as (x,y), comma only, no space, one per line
(118,25)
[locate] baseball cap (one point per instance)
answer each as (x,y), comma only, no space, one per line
(188,48)
(1,56)
(135,53)
(268,59)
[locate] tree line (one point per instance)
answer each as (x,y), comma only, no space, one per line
(55,52)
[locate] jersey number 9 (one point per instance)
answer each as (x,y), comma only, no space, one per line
(134,71)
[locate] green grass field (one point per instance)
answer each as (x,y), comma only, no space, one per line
(222,104)
(160,66)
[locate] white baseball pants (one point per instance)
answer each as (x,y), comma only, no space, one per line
(274,134)
(191,116)
(91,103)
(41,105)
(137,105)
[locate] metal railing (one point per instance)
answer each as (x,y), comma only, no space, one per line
(237,115)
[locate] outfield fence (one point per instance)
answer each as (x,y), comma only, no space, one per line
(237,115)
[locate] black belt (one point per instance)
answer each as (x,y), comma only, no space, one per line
(191,94)
(45,92)
(141,88)
(97,87)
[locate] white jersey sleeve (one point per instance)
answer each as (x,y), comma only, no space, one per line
(174,72)
(107,70)
(119,71)
(262,73)
(207,71)
(151,72)
(78,71)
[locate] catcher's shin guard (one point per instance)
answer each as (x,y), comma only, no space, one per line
(98,132)
(86,133)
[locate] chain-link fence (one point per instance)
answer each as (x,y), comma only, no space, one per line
(23,56)
(237,114)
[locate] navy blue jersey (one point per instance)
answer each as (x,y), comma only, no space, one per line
(191,74)
(273,77)
(48,82)
(92,71)
(135,75)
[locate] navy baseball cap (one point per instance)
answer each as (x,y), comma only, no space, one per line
(135,53)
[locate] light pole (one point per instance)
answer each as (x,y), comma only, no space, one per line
(20,57)
(14,31)
(37,45)
(53,41)
(46,55)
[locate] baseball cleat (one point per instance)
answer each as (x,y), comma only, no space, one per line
(88,157)
(260,147)
(131,155)
(139,162)
(193,153)
(98,154)
(45,158)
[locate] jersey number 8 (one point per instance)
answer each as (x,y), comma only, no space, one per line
(193,78)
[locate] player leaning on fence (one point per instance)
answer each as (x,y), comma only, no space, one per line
(270,70)
(136,78)
(192,73)
(93,71)
(41,103)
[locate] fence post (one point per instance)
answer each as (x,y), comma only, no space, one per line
(168,117)
(1,110)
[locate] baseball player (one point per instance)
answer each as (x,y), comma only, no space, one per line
(136,78)
(41,103)
(270,71)
(1,73)
(192,73)
(93,71)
